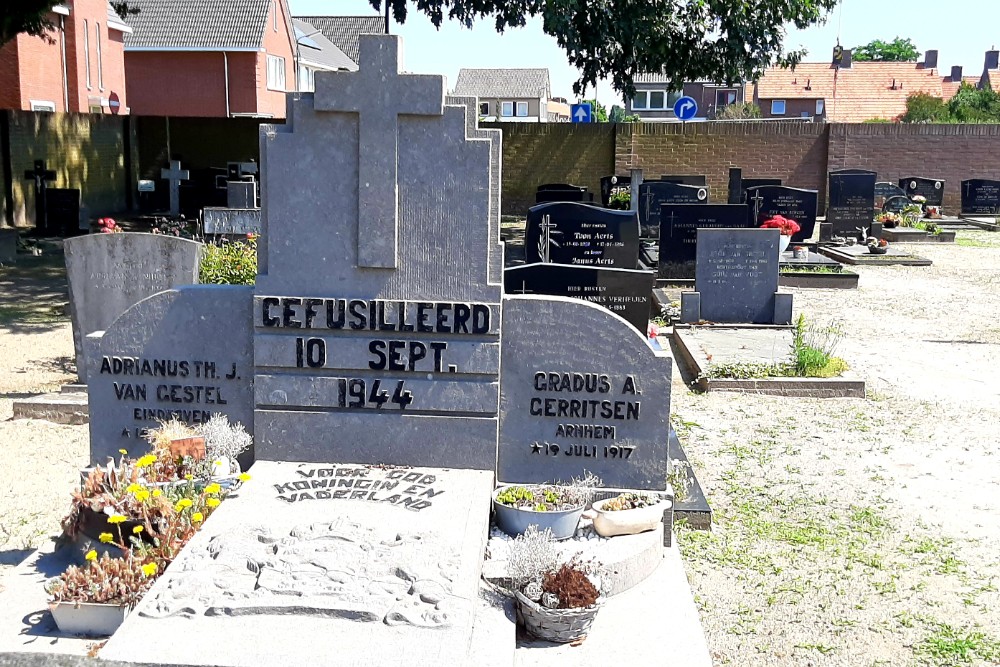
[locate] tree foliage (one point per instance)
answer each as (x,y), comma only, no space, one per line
(598,112)
(739,111)
(969,105)
(32,17)
(717,40)
(898,50)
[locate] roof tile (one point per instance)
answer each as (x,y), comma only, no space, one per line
(503,83)
(197,24)
(344,31)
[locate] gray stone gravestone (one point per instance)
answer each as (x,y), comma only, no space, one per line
(384,327)
(597,400)
(231,221)
(108,273)
(175,175)
(184,352)
(736,279)
(241,194)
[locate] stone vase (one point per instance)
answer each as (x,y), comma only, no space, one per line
(783,242)
(88,618)
(609,523)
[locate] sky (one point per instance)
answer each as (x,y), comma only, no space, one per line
(961,30)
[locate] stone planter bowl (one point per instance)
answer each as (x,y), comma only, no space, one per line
(609,523)
(514,521)
(88,618)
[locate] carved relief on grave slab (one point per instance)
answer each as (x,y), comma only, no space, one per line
(339,570)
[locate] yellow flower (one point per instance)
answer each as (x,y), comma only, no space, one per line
(213,488)
(213,502)
(91,555)
(133,487)
(137,529)
(189,477)
(122,452)
(116,518)
(197,517)
(149,569)
(182,504)
(142,495)
(244,477)
(106,537)
(146,461)
(157,493)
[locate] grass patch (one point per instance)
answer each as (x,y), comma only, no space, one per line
(30,315)
(951,646)
(975,243)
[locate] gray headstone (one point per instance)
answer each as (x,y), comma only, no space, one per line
(241,194)
(184,352)
(8,245)
(360,565)
(737,275)
(175,175)
(231,221)
(108,273)
(400,273)
(596,400)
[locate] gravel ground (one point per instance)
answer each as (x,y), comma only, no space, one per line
(849,531)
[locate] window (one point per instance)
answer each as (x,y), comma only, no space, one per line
(100,65)
(507,109)
(86,49)
(274,13)
(43,105)
(820,106)
(484,108)
(522,109)
(723,98)
(777,107)
(275,73)
(654,100)
(307,79)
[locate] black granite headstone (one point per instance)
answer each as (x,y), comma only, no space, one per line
(611,185)
(884,190)
(800,205)
(581,235)
(62,206)
(684,180)
(553,192)
(738,185)
(980,195)
(930,188)
(852,201)
(653,194)
(679,233)
(625,292)
(896,204)
(737,275)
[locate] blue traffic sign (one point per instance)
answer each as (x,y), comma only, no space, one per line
(685,108)
(581,113)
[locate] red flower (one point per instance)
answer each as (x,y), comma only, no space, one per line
(786,226)
(653,331)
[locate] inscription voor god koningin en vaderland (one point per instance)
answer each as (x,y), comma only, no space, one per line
(402,487)
(434,338)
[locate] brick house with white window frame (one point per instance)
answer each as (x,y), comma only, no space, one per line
(512,95)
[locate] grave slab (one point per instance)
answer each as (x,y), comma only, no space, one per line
(108,273)
(231,221)
(858,255)
(369,563)
(59,407)
(910,235)
(699,347)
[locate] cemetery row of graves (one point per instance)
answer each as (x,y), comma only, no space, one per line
(413,427)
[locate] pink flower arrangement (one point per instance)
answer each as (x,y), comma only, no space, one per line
(108,226)
(786,226)
(652,331)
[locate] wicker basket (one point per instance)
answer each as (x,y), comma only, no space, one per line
(556,625)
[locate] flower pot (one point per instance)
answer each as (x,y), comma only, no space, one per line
(514,521)
(88,618)
(193,447)
(556,625)
(783,242)
(609,523)
(877,251)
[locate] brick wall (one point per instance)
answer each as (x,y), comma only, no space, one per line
(536,153)
(793,152)
(85,150)
(950,152)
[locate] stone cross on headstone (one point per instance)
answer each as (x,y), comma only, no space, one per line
(545,242)
(379,94)
(756,199)
(175,175)
(672,218)
(40,175)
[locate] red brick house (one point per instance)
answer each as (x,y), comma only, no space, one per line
(210,58)
(78,66)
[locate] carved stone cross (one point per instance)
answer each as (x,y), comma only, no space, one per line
(757,199)
(175,175)
(379,94)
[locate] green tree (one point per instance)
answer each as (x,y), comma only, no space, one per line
(924,108)
(898,50)
(742,111)
(31,17)
(975,105)
(718,40)
(597,111)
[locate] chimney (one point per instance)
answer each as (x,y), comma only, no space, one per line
(845,63)
(930,59)
(993,60)
(956,73)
